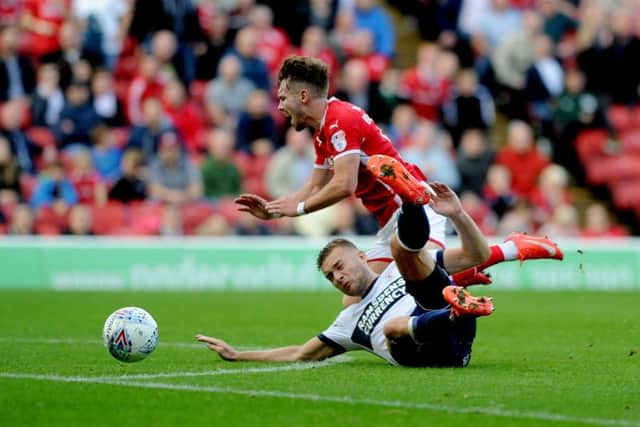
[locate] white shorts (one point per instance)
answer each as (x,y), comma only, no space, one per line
(381,251)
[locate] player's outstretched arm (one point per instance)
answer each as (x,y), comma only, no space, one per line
(312,350)
(254,205)
(474,248)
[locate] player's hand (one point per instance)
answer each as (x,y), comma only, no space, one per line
(283,206)
(444,200)
(255,205)
(225,351)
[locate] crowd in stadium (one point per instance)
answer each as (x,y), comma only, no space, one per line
(147,117)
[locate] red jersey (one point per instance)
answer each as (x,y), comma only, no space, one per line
(347,129)
(426,95)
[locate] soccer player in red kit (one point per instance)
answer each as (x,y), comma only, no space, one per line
(345,140)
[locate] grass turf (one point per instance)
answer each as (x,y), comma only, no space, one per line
(542,359)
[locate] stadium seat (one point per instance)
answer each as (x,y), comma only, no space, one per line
(48,222)
(591,143)
(145,218)
(621,117)
(229,210)
(41,136)
(630,141)
(193,214)
(27,185)
(626,194)
(108,219)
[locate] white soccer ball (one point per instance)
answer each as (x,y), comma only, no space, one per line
(130,334)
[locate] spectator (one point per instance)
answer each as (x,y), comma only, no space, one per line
(105,153)
(314,43)
(42,21)
(146,84)
(48,100)
(562,223)
(557,20)
(544,83)
(90,188)
(70,53)
(369,15)
(17,76)
(171,224)
(364,50)
(622,66)
(80,222)
(164,48)
(103,18)
(105,101)
(429,149)
(519,219)
(183,113)
(598,224)
(220,175)
(172,176)
(219,41)
(291,165)
(478,210)
(470,106)
(424,86)
(497,191)
(273,44)
(403,120)
(473,161)
(130,186)
(215,225)
(54,190)
(77,117)
(355,85)
(12,118)
(521,157)
(511,59)
(248,225)
(256,122)
(226,95)
(342,35)
(146,135)
(10,191)
(253,67)
(500,20)
(21,221)
(551,192)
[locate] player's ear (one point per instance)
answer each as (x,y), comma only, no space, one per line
(304,95)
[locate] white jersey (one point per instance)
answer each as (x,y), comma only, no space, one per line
(360,326)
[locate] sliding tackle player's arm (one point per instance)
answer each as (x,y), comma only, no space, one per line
(312,350)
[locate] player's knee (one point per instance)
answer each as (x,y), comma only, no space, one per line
(396,328)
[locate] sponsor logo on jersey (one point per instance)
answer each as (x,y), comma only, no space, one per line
(374,311)
(339,140)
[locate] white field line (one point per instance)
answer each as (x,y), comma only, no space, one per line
(490,411)
(74,341)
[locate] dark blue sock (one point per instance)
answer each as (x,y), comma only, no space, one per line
(413,226)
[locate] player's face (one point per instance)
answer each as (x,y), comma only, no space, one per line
(346,269)
(289,105)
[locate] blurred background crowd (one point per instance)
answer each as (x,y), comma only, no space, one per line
(147,117)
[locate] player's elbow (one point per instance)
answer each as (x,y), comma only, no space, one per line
(346,187)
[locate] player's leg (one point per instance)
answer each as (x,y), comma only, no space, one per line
(517,246)
(425,280)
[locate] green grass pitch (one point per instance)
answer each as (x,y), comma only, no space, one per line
(542,359)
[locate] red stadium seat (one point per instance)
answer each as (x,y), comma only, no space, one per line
(27,185)
(621,117)
(630,141)
(197,91)
(145,218)
(48,222)
(591,143)
(108,219)
(41,136)
(229,210)
(194,214)
(626,194)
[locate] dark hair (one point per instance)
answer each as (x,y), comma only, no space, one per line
(329,247)
(304,69)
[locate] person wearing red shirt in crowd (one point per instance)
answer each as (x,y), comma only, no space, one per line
(10,12)
(598,224)
(184,114)
(315,44)
(364,50)
(522,158)
(146,84)
(87,182)
(41,21)
(273,43)
(424,86)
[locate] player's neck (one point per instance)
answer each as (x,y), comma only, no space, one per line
(317,109)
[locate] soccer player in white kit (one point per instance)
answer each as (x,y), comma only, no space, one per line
(409,315)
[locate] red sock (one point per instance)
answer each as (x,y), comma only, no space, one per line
(496,256)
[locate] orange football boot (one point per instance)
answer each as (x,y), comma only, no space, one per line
(393,173)
(535,247)
(464,304)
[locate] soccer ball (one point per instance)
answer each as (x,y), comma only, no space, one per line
(130,334)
